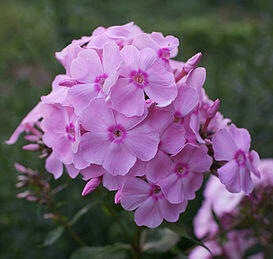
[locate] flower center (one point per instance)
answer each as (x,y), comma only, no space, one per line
(100,80)
(178,118)
(156,192)
(240,158)
(181,169)
(116,133)
(139,78)
(70,132)
(164,53)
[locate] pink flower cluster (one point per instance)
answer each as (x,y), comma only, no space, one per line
(127,115)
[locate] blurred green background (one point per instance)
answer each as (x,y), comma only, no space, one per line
(235,37)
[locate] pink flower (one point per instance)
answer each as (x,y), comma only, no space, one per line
(165,47)
(121,35)
(172,140)
(186,174)
(266,169)
(150,203)
(93,75)
(222,203)
(115,141)
(27,124)
(232,145)
(61,131)
(141,74)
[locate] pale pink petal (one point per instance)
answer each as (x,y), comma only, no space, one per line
(247,184)
(32,117)
(54,166)
(93,147)
(130,56)
(192,183)
(62,147)
(149,214)
(139,168)
(144,40)
(173,139)
(80,95)
(130,122)
(161,87)
(186,100)
(170,212)
(127,98)
(160,118)
(254,163)
(172,187)
(194,125)
(57,95)
(241,137)
(72,171)
(111,58)
(223,145)
(229,175)
(87,66)
(196,157)
(134,192)
(79,162)
(113,183)
(97,116)
(142,141)
(147,58)
(158,167)
(118,160)
(92,171)
(196,78)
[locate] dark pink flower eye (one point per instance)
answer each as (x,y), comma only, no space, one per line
(116,133)
(240,158)
(181,169)
(70,131)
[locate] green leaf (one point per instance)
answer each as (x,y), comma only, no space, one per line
(216,219)
(80,213)
(253,250)
(166,239)
(184,232)
(53,236)
(104,252)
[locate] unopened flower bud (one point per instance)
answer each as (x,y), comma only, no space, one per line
(192,62)
(91,186)
(23,195)
(31,198)
(31,147)
(20,168)
(32,138)
(213,109)
(20,184)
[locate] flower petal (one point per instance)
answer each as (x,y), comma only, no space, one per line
(127,98)
(118,160)
(142,141)
(229,175)
(134,192)
(149,214)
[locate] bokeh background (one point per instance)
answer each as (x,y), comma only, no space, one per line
(235,37)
